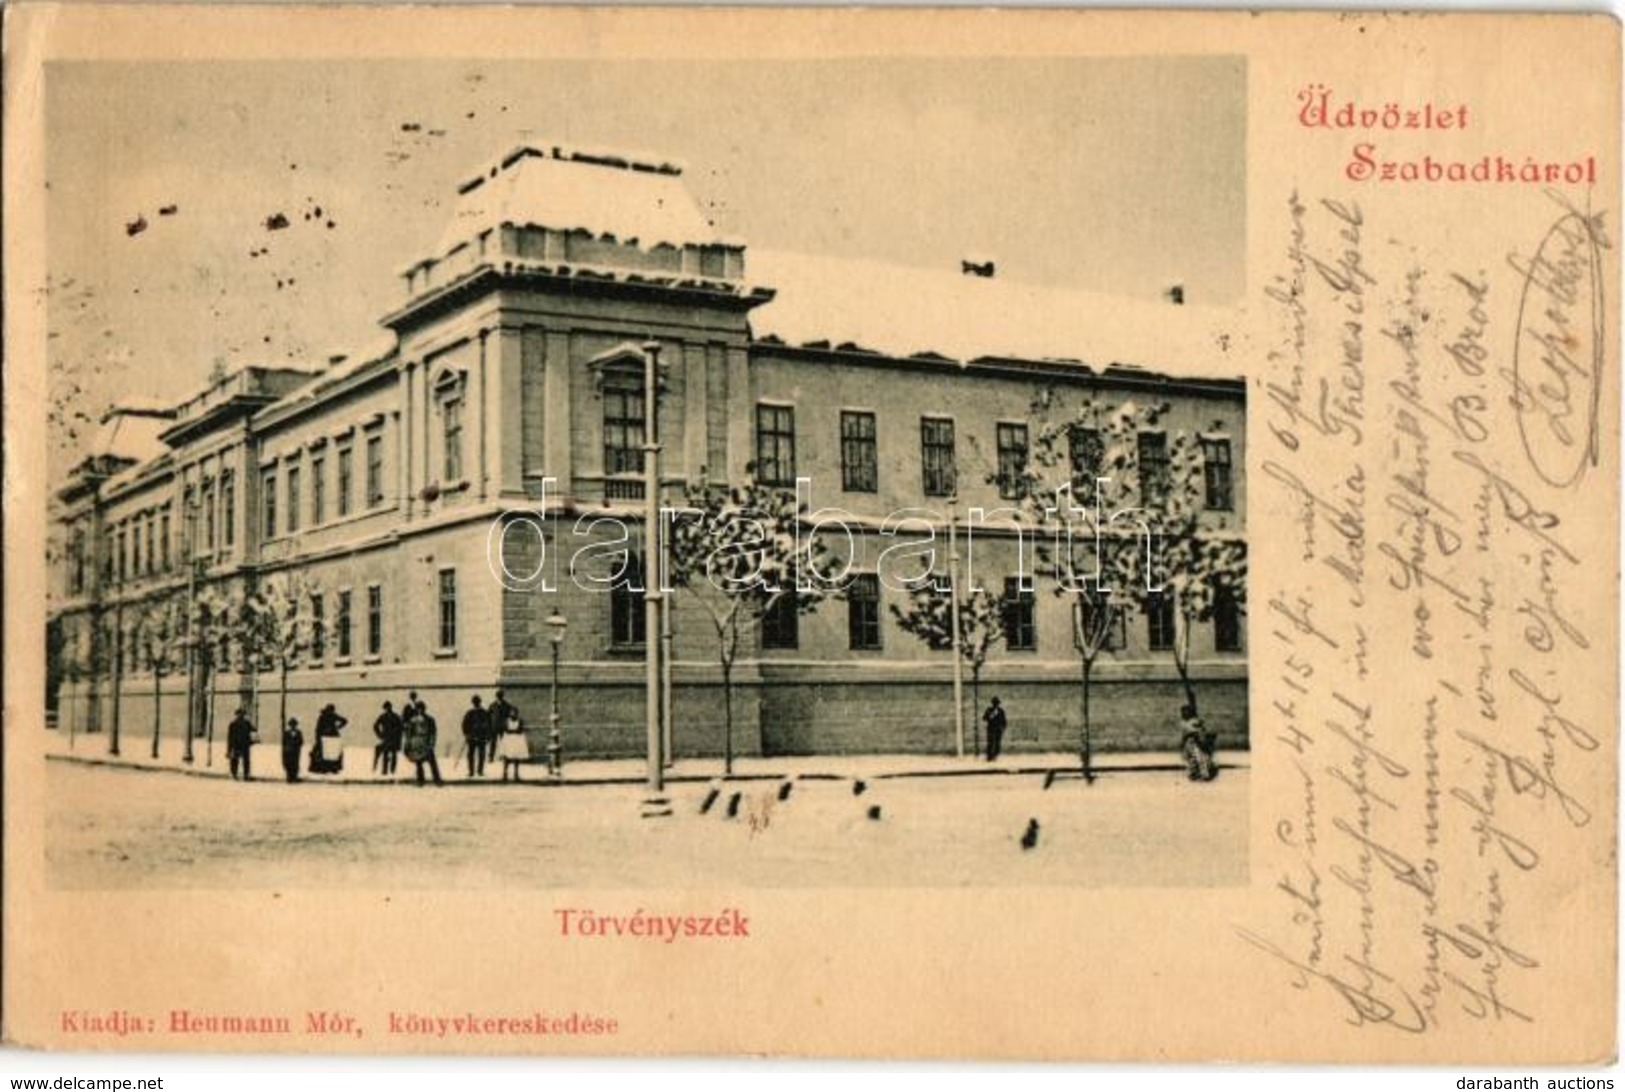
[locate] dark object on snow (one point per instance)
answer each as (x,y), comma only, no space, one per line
(710,798)
(1030,839)
(136,226)
(168,210)
(733,806)
(276,222)
(874,811)
(784,790)
(858,787)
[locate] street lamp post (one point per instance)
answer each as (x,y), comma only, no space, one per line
(556,625)
(651,571)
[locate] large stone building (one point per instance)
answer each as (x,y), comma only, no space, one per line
(510,381)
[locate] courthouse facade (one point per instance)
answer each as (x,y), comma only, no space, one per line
(510,383)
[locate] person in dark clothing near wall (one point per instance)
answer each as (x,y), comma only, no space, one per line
(476,737)
(388,729)
(995,720)
(420,741)
(239,744)
(293,747)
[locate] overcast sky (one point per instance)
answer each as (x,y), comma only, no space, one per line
(1113,175)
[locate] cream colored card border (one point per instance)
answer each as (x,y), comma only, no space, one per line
(1037,973)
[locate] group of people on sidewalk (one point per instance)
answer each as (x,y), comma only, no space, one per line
(494,733)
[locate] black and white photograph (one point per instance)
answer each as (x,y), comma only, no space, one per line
(606,445)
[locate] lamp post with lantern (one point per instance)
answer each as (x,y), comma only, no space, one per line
(556,626)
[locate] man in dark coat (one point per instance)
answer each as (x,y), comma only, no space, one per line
(239,742)
(476,737)
(293,745)
(388,728)
(420,741)
(995,720)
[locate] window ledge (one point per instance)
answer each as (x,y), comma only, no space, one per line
(445,653)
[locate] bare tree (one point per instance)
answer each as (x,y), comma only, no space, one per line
(158,635)
(278,627)
(982,620)
(740,553)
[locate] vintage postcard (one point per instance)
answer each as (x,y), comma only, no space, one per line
(951,534)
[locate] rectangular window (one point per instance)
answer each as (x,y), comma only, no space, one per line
(375,620)
(1226,619)
(341,624)
(863,612)
(375,471)
(1087,454)
(318,491)
(346,475)
(1012,439)
(318,626)
(859,470)
(135,548)
(775,445)
(1216,474)
(937,455)
(448,609)
(207,494)
(627,625)
(781,624)
(228,508)
(152,544)
(163,537)
(293,499)
(623,429)
(1159,622)
(1020,616)
(76,563)
(451,435)
(268,504)
(1153,457)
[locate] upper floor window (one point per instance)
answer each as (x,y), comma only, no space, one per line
(624,428)
(163,538)
(207,495)
(1115,637)
(346,468)
(135,548)
(937,455)
(318,490)
(318,626)
(859,469)
(293,499)
(375,471)
(268,504)
(1216,474)
(1087,454)
(775,444)
(451,435)
(228,510)
(1012,439)
(1153,458)
(152,544)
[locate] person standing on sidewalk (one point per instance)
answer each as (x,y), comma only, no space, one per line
(293,748)
(508,732)
(239,743)
(420,742)
(995,720)
(476,737)
(388,728)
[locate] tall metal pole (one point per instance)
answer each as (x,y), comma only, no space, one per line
(953,622)
(555,745)
(665,663)
(651,562)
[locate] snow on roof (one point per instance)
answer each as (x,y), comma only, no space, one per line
(904,311)
(565,188)
(132,432)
